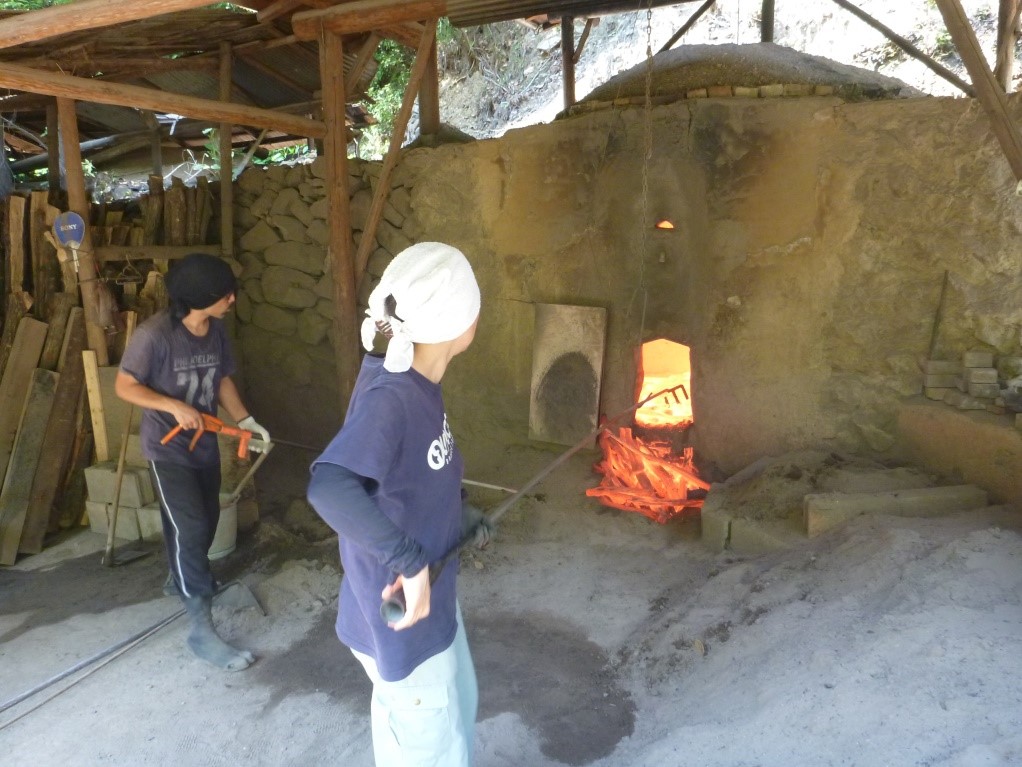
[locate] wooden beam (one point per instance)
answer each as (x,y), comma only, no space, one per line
(84,14)
(277,8)
(766,22)
(1007,38)
(408,34)
(908,47)
(226,158)
(364,15)
(393,152)
(707,4)
(78,201)
(568,60)
(989,93)
(335,149)
(135,97)
(365,55)
(429,96)
(581,44)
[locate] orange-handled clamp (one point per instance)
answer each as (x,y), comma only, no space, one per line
(214,424)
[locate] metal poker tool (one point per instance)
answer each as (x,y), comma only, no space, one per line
(393,609)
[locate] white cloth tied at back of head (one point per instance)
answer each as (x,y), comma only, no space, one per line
(436,297)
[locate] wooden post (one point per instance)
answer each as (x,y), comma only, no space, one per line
(989,93)
(429,96)
(568,59)
(78,201)
(1007,37)
(226,159)
(766,22)
(339,252)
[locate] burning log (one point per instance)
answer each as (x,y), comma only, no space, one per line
(646,477)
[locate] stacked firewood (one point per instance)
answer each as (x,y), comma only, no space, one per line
(47,423)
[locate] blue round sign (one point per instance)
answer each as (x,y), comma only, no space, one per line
(69,229)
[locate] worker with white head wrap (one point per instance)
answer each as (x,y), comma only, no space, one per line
(390,485)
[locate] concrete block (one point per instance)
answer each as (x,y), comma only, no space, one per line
(719,91)
(136,485)
(978,359)
(935,393)
(939,381)
(981,375)
(769,91)
(715,527)
(696,93)
(150,524)
(745,91)
(984,390)
(757,536)
(823,90)
(941,367)
(127,520)
(824,511)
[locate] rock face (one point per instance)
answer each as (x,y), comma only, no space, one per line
(804,271)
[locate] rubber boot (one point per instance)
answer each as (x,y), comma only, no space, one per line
(206,643)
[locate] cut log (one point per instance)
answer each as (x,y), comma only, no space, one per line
(14,386)
(57,316)
(175,214)
(16,243)
(58,438)
(826,510)
(17,485)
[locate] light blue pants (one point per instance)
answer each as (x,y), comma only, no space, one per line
(428,718)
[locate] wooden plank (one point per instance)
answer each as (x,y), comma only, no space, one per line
(95,390)
(28,345)
(989,93)
(152,211)
(24,459)
(175,213)
(133,96)
(16,243)
(84,14)
(335,147)
(45,267)
(16,309)
(363,16)
(58,438)
(57,316)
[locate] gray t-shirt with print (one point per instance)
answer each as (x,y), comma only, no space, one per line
(166,357)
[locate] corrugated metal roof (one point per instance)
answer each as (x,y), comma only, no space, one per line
(466,13)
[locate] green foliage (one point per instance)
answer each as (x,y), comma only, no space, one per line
(385,93)
(283,154)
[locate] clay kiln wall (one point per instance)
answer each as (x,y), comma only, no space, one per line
(805,270)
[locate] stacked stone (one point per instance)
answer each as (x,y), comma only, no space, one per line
(972,384)
(285,303)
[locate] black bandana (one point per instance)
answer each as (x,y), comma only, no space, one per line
(199,280)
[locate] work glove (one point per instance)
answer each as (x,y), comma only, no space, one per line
(473,519)
(248,423)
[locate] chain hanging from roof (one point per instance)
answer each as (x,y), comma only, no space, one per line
(647,154)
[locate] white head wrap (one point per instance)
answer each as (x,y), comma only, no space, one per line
(437,300)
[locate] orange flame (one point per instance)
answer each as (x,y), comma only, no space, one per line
(664,364)
(645,477)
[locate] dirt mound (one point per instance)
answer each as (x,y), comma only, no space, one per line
(691,67)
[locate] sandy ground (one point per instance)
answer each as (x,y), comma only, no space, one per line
(600,638)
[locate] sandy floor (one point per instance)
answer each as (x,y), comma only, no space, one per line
(600,638)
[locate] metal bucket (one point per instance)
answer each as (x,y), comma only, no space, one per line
(226,537)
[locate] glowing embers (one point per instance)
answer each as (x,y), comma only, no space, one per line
(646,473)
(664,364)
(646,476)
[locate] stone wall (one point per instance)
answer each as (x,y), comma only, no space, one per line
(805,270)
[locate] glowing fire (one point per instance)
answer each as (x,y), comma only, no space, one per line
(662,365)
(647,476)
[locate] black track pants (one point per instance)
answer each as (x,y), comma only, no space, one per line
(190,509)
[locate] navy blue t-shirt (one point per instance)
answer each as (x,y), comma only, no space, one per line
(396,435)
(164,356)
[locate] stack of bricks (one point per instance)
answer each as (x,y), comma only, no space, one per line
(137,510)
(973,384)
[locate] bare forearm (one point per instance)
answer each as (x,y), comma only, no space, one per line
(230,399)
